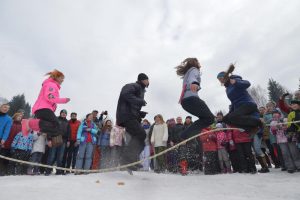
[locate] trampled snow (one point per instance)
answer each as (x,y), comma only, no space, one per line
(148,185)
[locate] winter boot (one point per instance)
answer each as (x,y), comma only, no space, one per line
(264,167)
(183,167)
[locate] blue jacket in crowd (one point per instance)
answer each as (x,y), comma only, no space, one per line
(22,142)
(5,125)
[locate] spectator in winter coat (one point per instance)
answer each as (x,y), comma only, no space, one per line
(288,146)
(271,142)
(210,152)
(5,126)
(72,150)
(6,150)
(56,153)
(38,150)
(233,153)
(222,143)
(146,152)
(180,152)
(129,115)
(116,142)
(159,139)
(46,104)
(286,106)
(21,148)
(5,122)
(189,71)
(242,142)
(104,144)
(86,139)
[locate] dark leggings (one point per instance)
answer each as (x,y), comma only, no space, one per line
(197,107)
(48,121)
(243,117)
(136,143)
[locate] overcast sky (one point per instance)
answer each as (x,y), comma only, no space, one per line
(102,45)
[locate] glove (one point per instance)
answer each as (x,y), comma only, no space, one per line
(143,114)
(144,103)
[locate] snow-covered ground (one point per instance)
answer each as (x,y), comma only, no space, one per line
(148,185)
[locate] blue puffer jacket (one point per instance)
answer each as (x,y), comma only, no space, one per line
(22,142)
(237,93)
(5,125)
(82,134)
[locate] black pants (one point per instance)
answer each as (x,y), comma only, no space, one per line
(48,122)
(3,162)
(243,117)
(246,158)
(70,155)
(197,107)
(136,144)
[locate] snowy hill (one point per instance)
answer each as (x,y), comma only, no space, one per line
(147,185)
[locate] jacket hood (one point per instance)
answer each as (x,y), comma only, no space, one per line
(51,80)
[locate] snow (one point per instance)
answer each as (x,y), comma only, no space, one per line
(148,185)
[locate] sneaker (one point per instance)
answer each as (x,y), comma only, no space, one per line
(291,171)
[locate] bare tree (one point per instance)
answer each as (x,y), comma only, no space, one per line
(259,95)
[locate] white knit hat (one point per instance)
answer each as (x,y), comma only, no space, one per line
(3,101)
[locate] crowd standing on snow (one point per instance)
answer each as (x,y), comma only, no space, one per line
(96,143)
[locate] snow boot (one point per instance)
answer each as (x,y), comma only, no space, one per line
(264,166)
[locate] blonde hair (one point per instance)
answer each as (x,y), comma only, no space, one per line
(55,74)
(17,114)
(160,117)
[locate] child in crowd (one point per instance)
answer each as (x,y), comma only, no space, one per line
(210,152)
(116,141)
(38,150)
(222,143)
(21,148)
(288,137)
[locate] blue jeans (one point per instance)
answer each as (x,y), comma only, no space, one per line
(257,146)
(84,155)
(55,154)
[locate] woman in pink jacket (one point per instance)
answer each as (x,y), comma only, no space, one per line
(46,104)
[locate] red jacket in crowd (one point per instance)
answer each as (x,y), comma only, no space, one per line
(209,141)
(240,137)
(74,128)
(15,129)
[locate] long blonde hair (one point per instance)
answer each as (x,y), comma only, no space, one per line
(186,65)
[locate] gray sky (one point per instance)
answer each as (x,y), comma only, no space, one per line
(102,45)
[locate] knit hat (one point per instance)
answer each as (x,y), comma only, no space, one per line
(63,111)
(221,75)
(3,102)
(142,77)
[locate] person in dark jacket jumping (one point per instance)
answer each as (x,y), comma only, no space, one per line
(243,111)
(129,115)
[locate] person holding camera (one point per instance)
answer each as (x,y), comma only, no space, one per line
(129,115)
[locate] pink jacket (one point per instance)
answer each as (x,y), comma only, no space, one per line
(49,96)
(221,139)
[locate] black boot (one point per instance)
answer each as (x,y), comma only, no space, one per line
(264,167)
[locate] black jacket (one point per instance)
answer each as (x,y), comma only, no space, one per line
(130,102)
(64,128)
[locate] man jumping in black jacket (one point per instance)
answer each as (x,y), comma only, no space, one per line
(129,115)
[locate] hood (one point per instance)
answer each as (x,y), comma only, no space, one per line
(51,80)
